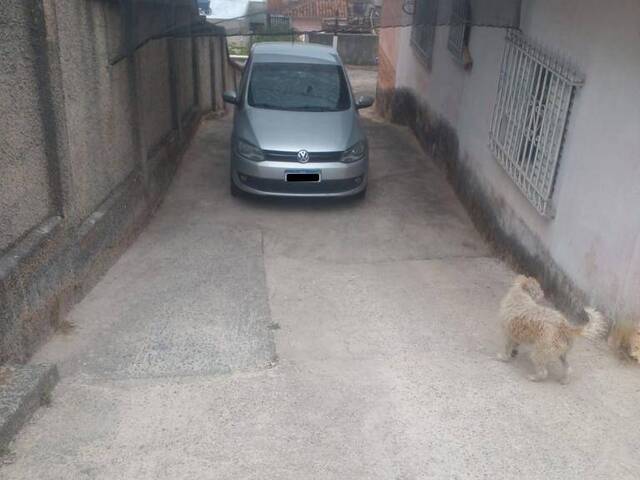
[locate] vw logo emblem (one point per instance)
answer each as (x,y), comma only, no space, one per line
(303,156)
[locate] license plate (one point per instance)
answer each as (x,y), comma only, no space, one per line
(303,176)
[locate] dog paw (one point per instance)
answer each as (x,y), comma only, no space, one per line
(536,378)
(565,380)
(501,357)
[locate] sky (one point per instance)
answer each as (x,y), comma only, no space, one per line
(228,8)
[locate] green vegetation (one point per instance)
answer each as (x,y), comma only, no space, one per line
(238,50)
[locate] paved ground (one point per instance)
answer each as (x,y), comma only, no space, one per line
(242,339)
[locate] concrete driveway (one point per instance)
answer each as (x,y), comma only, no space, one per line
(255,339)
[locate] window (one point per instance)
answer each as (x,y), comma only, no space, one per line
(424,28)
(298,87)
(531,113)
(459,30)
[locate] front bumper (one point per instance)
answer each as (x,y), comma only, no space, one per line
(337,179)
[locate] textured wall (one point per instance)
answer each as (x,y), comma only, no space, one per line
(24,196)
(218,52)
(153,68)
(98,107)
(321,38)
(358,49)
(90,138)
(186,90)
(205,79)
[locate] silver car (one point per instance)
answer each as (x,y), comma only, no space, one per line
(296,129)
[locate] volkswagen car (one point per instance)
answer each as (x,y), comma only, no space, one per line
(296,128)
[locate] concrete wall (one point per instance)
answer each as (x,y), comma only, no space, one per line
(186,92)
(97,107)
(321,38)
(358,48)
(154,72)
(204,67)
(91,136)
(592,245)
(354,48)
(219,60)
(24,196)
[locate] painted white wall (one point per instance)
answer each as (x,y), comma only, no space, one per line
(595,235)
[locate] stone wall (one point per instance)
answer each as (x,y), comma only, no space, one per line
(25,198)
(95,115)
(354,48)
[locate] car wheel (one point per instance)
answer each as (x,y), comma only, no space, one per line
(360,195)
(233,188)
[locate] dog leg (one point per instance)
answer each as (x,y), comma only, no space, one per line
(539,362)
(567,369)
(510,351)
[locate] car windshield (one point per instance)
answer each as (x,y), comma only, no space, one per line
(298,87)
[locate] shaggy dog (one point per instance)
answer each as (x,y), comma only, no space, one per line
(525,321)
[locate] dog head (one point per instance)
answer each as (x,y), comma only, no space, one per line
(530,286)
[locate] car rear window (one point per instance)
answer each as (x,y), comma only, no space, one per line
(298,87)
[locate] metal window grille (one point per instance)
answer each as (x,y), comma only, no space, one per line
(424,29)
(535,92)
(279,21)
(459,29)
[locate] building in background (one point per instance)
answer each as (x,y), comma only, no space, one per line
(328,15)
(542,146)
(236,18)
(257,16)
(308,15)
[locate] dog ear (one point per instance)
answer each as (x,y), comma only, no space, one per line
(521,280)
(532,287)
(533,283)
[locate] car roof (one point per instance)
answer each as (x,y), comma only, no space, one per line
(288,52)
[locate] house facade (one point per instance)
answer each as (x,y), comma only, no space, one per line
(308,15)
(538,127)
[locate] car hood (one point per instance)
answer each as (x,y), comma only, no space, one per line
(292,131)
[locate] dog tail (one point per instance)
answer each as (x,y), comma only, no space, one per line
(596,326)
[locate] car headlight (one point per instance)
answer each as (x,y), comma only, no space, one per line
(355,153)
(248,151)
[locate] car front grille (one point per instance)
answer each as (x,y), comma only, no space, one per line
(317,157)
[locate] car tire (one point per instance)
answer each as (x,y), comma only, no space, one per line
(233,188)
(361,195)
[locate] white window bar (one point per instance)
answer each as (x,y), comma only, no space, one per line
(458,27)
(530,116)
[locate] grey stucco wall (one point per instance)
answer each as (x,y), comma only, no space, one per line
(24,196)
(594,238)
(186,90)
(98,110)
(153,67)
(218,60)
(90,137)
(205,78)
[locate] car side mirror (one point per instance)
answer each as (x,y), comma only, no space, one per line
(230,97)
(364,101)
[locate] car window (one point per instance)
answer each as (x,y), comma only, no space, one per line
(298,87)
